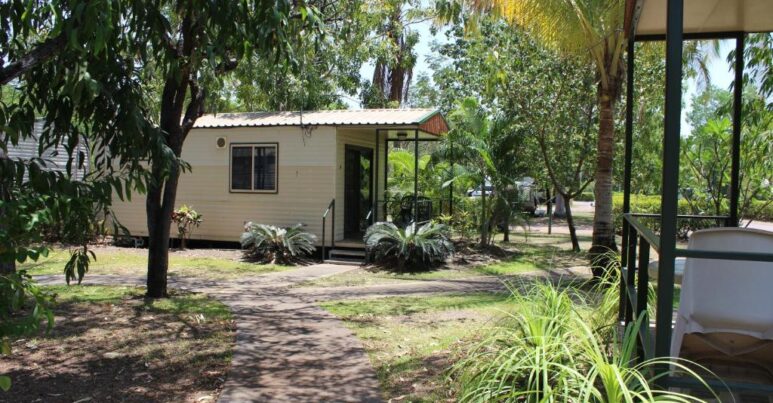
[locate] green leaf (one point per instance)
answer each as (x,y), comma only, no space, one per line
(5,383)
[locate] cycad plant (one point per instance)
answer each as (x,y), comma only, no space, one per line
(549,350)
(411,248)
(276,245)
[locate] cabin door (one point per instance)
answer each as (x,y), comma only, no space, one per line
(358,190)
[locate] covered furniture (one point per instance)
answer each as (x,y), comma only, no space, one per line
(725,317)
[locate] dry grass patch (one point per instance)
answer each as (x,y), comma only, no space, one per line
(110,344)
(412,342)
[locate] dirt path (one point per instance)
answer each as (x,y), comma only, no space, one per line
(286,349)
(289,349)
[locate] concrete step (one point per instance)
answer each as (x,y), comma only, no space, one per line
(359,253)
(345,262)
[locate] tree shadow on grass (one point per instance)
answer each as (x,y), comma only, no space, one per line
(127,351)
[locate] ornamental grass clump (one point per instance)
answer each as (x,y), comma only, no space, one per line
(550,349)
(411,248)
(276,245)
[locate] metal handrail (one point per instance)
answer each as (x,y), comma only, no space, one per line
(330,207)
(685,216)
(643,230)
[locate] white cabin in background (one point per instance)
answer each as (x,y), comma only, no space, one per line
(284,168)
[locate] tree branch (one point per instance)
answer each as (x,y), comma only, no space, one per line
(41,53)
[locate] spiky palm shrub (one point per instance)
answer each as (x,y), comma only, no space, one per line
(549,351)
(410,248)
(275,244)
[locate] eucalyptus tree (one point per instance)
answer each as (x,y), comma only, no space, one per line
(393,51)
(324,73)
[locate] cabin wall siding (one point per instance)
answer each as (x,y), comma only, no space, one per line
(305,186)
(55,159)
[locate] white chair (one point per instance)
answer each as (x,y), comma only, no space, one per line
(725,317)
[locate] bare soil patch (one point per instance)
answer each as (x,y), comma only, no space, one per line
(468,255)
(125,350)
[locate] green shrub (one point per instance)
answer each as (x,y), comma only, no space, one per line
(411,248)
(585,197)
(553,348)
(186,219)
(276,245)
(761,210)
(651,205)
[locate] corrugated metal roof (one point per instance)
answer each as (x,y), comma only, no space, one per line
(361,117)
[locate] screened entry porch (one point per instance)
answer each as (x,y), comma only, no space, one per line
(373,163)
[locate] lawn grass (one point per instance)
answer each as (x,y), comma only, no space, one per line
(109,343)
(129,261)
(543,253)
(535,257)
(365,277)
(411,341)
(180,303)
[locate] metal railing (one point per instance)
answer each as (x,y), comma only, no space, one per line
(392,209)
(634,291)
(330,207)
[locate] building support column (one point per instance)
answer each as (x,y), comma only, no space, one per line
(736,141)
(415,175)
(374,190)
(673,107)
(628,156)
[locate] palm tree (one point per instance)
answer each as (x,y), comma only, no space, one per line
(487,149)
(594,29)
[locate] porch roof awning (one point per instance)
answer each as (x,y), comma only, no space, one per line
(701,16)
(430,121)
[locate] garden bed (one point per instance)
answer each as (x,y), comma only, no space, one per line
(110,344)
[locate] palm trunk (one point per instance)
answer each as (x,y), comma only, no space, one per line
(603,224)
(570,224)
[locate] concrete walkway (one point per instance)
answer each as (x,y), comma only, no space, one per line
(286,349)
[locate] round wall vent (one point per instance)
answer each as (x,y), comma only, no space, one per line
(220,142)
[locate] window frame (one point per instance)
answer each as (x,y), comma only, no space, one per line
(252,189)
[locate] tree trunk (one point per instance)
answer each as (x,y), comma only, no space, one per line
(560,210)
(483,220)
(5,267)
(508,215)
(549,211)
(160,204)
(570,223)
(603,224)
